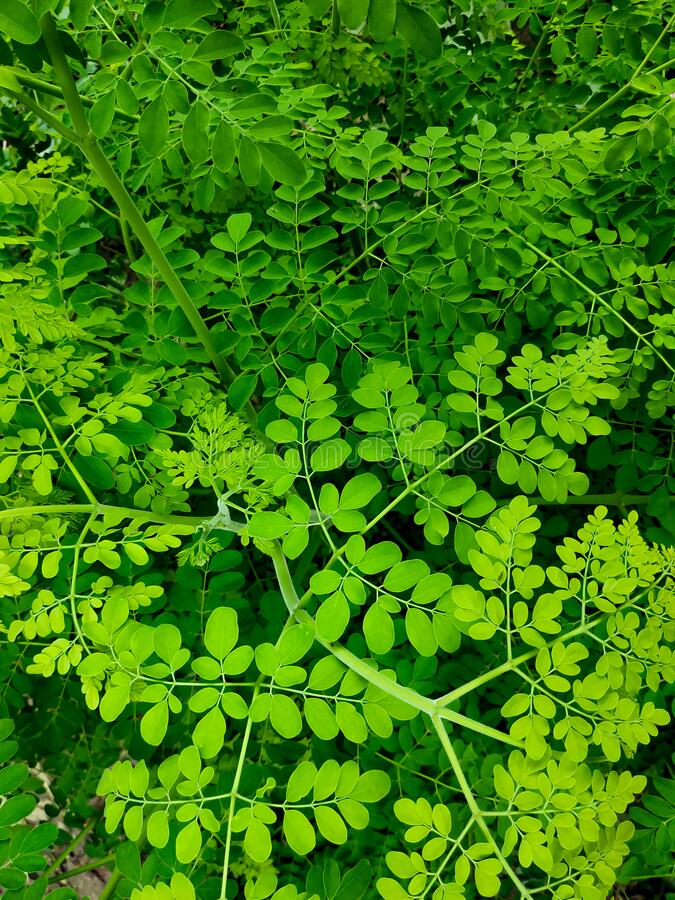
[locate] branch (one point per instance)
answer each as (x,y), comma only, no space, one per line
(610,101)
(368,672)
(591,293)
(102,167)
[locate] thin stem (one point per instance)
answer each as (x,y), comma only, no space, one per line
(629,84)
(537,49)
(513,664)
(445,462)
(596,297)
(473,805)
(126,240)
(128,209)
(73,583)
(233,800)
(84,487)
(404,97)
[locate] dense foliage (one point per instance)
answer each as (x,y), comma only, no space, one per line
(336,367)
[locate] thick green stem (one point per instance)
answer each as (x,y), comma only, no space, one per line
(276,18)
(52,90)
(368,671)
(45,115)
(128,209)
(111,885)
(140,515)
(76,841)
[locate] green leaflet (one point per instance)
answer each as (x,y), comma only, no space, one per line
(282,163)
(20,25)
(195,133)
(418,29)
(353,12)
(153,127)
(382,18)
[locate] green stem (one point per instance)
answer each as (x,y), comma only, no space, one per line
(404,97)
(668,64)
(80,870)
(444,463)
(44,114)
(276,18)
(512,664)
(233,800)
(73,583)
(79,837)
(111,885)
(128,209)
(48,510)
(100,509)
(537,49)
(126,239)
(476,812)
(132,21)
(362,256)
(84,487)
(597,297)
(53,90)
(335,19)
(367,671)
(629,84)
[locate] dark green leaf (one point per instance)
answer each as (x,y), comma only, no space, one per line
(418,29)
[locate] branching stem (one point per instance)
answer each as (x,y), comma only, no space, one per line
(610,101)
(476,812)
(598,298)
